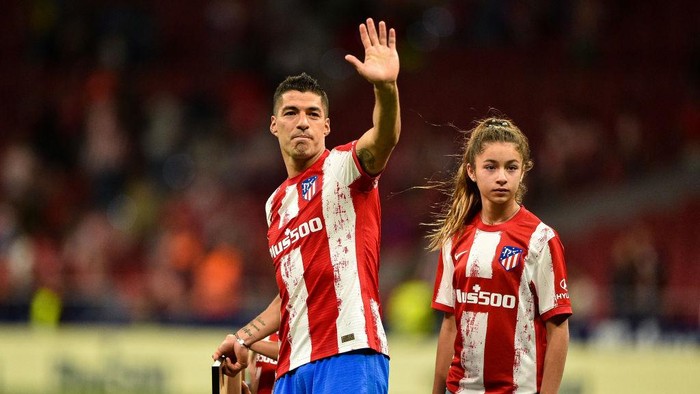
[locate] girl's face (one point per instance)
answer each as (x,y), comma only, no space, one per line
(497,171)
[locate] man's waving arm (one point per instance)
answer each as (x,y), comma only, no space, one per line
(381,69)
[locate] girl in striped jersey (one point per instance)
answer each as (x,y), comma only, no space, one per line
(501,277)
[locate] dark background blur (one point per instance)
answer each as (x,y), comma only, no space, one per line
(135,157)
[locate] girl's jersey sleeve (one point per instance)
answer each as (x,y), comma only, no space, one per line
(549,279)
(443,292)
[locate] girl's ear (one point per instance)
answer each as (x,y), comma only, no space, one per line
(471,173)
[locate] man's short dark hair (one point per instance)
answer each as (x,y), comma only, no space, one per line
(302,83)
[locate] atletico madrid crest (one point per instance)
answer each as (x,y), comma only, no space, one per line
(308,187)
(510,257)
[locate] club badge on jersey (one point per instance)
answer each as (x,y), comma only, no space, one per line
(308,187)
(510,257)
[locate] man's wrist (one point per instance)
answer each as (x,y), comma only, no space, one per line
(386,87)
(241,341)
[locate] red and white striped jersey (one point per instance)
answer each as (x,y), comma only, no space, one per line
(324,236)
(501,283)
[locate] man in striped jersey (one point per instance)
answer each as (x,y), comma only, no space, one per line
(324,236)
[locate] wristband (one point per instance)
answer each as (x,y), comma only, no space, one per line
(241,341)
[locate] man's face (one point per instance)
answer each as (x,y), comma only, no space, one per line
(301,125)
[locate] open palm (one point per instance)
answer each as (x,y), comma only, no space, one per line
(381,62)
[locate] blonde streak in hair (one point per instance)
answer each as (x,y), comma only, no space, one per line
(443,224)
(456,210)
(447,218)
(462,204)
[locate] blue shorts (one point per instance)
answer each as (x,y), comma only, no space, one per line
(361,372)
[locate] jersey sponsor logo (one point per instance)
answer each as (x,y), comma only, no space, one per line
(510,257)
(478,297)
(458,255)
(264,359)
(565,294)
(308,187)
(295,234)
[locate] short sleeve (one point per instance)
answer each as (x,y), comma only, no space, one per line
(443,291)
(549,278)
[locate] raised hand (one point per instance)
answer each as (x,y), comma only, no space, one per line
(381,64)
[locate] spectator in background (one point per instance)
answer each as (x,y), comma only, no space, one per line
(638,280)
(106,148)
(216,285)
(501,278)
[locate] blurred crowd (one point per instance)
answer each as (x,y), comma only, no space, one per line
(135,157)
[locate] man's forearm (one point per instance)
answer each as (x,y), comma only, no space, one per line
(263,325)
(386,116)
(269,349)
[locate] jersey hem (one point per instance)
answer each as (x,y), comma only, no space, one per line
(557,311)
(442,308)
(365,348)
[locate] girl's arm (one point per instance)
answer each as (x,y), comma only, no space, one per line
(555,356)
(445,352)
